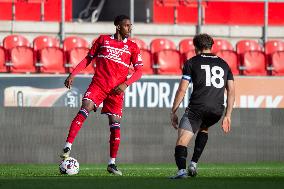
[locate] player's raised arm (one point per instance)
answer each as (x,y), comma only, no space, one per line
(226,123)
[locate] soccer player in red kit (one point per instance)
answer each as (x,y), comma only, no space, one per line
(113,55)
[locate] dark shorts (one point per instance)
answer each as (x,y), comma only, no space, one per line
(196,117)
(112,103)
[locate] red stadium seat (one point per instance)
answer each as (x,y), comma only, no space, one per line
(3,67)
(254,64)
(186,45)
(54,64)
(12,41)
(277,63)
(76,56)
(140,43)
(74,42)
(147,62)
(273,46)
(188,55)
(41,42)
(168,62)
(22,60)
(247,45)
(221,44)
(232,60)
(161,44)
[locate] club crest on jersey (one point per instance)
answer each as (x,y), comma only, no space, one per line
(107,42)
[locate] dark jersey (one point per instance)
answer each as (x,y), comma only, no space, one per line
(209,75)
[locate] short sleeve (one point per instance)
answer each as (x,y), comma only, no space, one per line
(95,48)
(136,57)
(187,70)
(230,75)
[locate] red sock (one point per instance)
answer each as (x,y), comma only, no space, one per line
(114,139)
(77,124)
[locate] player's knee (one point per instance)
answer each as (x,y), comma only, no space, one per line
(88,105)
(113,120)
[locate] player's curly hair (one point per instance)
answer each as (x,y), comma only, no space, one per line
(203,41)
(120,18)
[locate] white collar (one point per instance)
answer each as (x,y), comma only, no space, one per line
(124,40)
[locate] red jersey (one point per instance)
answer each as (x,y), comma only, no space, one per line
(113,59)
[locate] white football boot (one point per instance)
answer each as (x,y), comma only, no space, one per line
(65,153)
(181,174)
(111,168)
(192,169)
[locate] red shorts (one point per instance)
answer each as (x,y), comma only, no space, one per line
(112,103)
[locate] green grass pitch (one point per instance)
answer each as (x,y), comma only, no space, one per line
(144,176)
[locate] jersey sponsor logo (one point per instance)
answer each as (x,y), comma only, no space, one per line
(115,54)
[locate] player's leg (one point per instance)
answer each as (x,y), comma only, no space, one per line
(114,141)
(210,118)
(200,143)
(92,98)
(76,125)
(113,108)
(186,130)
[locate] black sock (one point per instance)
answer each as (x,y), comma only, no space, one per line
(200,142)
(180,156)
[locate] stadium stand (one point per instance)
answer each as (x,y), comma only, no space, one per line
(74,42)
(42,42)
(3,67)
(243,46)
(168,62)
(147,62)
(75,49)
(54,64)
(159,44)
(22,60)
(221,44)
(186,49)
(273,46)
(12,41)
(231,58)
(254,64)
(76,55)
(277,63)
(140,43)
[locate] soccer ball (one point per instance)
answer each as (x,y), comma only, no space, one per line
(69,166)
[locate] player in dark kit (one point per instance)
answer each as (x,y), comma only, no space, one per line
(210,76)
(113,54)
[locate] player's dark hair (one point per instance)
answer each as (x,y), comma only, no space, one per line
(120,18)
(203,41)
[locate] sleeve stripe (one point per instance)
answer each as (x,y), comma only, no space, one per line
(138,64)
(186,77)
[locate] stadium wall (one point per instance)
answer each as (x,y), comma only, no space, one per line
(37,135)
(36,111)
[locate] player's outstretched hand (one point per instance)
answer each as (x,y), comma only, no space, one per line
(174,120)
(226,124)
(69,81)
(120,88)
